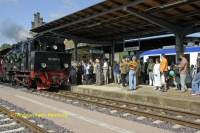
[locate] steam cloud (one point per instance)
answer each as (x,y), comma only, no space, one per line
(14,31)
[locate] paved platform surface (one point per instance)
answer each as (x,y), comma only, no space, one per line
(145,94)
(79,120)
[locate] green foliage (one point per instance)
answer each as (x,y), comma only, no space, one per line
(5,46)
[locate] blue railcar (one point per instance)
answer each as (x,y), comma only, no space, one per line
(191,54)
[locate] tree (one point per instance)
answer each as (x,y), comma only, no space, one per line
(4,46)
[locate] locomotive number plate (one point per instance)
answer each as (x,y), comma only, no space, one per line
(53,59)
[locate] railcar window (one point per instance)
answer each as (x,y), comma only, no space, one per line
(171,59)
(154,58)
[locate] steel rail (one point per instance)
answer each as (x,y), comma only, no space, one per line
(33,127)
(134,103)
(167,118)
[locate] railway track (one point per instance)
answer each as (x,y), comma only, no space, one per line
(188,119)
(11,123)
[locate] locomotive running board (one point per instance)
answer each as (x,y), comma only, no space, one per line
(19,81)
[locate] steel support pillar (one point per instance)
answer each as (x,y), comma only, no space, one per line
(113,53)
(111,77)
(179,45)
(75,51)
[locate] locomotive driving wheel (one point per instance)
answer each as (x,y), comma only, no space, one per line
(32,84)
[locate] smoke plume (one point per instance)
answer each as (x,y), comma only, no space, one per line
(14,31)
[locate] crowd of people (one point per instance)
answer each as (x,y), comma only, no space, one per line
(131,72)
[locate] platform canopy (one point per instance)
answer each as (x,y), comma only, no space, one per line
(115,20)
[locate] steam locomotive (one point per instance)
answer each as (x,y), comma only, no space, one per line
(38,64)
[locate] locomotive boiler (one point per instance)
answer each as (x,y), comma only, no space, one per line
(37,64)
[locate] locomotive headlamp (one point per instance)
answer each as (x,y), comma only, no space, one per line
(55,47)
(44,65)
(66,65)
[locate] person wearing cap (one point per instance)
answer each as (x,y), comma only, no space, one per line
(132,73)
(164,70)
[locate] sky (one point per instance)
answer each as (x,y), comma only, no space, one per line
(16,15)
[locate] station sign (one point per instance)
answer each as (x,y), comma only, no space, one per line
(96,51)
(169,47)
(132,48)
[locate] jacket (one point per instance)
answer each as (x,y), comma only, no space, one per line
(132,65)
(150,67)
(164,65)
(124,68)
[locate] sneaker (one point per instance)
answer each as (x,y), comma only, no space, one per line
(155,88)
(133,91)
(194,94)
(183,90)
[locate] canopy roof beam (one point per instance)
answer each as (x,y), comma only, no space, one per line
(135,2)
(117,19)
(192,29)
(156,21)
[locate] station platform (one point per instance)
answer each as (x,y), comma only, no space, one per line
(174,99)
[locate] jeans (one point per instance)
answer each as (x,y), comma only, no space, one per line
(132,80)
(123,79)
(150,78)
(196,87)
(105,74)
(127,78)
(182,80)
(116,77)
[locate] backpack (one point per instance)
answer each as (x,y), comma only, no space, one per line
(91,69)
(188,78)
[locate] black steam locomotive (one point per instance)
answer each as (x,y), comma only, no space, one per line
(38,64)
